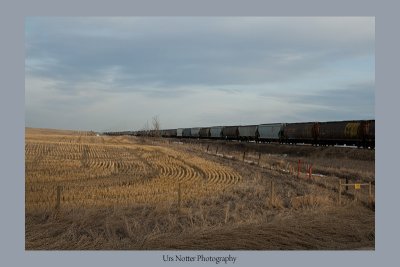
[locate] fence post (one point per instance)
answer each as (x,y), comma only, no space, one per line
(244,155)
(340,191)
(216,152)
(207,148)
(310,171)
(259,157)
(272,193)
(58,204)
(347,181)
(355,194)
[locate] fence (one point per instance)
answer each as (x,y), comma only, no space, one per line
(357,189)
(241,156)
(59,198)
(178,200)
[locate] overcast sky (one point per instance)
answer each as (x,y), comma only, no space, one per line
(117,73)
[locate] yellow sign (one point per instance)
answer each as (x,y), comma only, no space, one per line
(357,186)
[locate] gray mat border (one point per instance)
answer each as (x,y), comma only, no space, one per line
(12,119)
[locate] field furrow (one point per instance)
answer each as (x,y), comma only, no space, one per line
(106,171)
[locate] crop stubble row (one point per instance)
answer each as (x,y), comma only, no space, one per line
(104,171)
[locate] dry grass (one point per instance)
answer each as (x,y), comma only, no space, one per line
(310,201)
(104,171)
(121,193)
(148,227)
(330,161)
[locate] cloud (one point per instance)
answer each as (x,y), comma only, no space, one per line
(355,101)
(201,65)
(192,51)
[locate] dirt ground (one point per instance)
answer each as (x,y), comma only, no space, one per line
(144,194)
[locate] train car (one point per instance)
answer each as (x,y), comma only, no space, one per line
(271,132)
(172,133)
(355,132)
(230,132)
(216,132)
(303,132)
(340,133)
(179,132)
(247,132)
(369,134)
(195,132)
(205,132)
(186,132)
(169,133)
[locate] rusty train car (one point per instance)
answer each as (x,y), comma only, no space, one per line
(359,133)
(230,132)
(304,132)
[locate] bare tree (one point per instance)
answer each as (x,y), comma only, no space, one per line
(156,126)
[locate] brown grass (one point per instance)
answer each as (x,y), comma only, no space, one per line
(121,193)
(147,227)
(310,201)
(103,171)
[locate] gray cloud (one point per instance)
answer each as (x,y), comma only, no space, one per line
(213,52)
(84,60)
(355,101)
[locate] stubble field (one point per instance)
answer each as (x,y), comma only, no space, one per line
(84,191)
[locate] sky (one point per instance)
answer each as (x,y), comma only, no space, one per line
(117,73)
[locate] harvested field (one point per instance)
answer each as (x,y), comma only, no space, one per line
(130,193)
(103,171)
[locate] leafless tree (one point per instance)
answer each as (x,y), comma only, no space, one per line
(156,126)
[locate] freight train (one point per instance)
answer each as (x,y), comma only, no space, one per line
(360,133)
